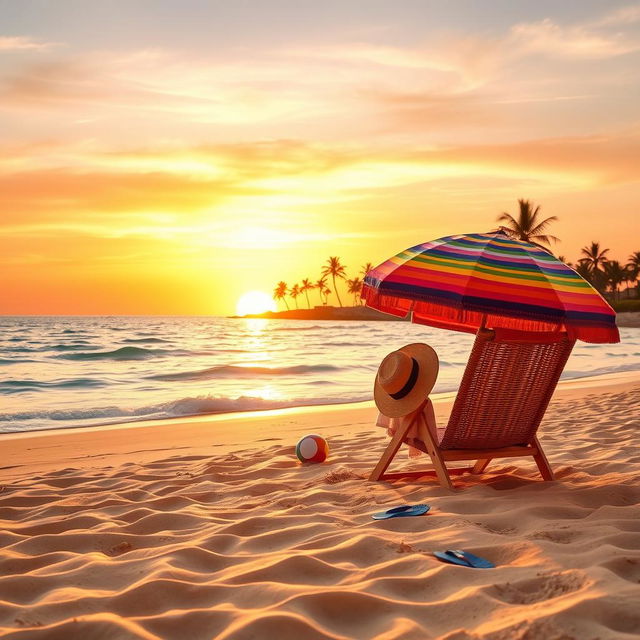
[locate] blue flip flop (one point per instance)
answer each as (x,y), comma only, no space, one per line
(463,558)
(402,512)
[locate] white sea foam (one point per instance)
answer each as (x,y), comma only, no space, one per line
(190,406)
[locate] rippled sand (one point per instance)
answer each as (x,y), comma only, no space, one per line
(207,542)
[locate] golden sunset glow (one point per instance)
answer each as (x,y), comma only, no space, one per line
(254,302)
(150,172)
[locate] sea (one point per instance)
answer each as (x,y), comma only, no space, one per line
(65,372)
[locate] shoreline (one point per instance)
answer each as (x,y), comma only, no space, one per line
(225,431)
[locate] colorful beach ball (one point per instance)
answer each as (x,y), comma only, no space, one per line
(312,448)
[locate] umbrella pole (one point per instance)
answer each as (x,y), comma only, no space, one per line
(483,322)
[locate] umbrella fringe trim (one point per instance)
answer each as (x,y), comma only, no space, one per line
(451,315)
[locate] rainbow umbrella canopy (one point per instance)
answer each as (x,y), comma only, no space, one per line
(467,281)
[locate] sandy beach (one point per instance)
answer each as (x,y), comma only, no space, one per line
(232,233)
(184,529)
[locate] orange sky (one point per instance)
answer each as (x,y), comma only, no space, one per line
(167,158)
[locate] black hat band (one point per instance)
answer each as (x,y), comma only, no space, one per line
(413,377)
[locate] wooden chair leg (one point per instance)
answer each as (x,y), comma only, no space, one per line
(542,462)
(390,451)
(480,465)
(434,452)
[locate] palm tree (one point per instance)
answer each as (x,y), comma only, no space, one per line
(528,226)
(355,287)
(595,259)
(294,293)
(630,276)
(320,286)
(334,269)
(616,274)
(597,278)
(327,293)
(367,267)
(280,293)
(583,270)
(563,259)
(306,285)
(634,269)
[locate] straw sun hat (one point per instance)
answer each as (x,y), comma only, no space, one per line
(404,379)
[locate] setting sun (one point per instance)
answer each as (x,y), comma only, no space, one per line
(254,302)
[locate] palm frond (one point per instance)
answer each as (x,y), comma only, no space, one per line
(546,238)
(506,217)
(541,226)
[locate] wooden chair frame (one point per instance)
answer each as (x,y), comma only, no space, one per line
(440,456)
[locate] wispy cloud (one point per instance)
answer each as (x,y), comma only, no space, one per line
(576,41)
(61,194)
(24,43)
(619,17)
(442,89)
(248,181)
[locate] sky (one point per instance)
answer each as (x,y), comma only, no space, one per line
(166,157)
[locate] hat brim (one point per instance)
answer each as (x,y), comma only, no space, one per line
(428,364)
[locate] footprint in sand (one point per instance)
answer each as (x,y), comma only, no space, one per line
(545,586)
(557,536)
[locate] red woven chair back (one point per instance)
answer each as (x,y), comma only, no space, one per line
(505,389)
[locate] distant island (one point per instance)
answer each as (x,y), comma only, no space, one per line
(362,314)
(326,312)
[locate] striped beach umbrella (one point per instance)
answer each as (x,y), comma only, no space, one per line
(467,281)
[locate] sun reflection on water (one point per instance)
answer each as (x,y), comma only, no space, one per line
(266,392)
(255,341)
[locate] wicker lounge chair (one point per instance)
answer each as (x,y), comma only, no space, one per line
(505,390)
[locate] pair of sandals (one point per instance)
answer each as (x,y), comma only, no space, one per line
(452,556)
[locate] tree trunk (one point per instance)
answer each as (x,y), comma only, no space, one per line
(306,295)
(335,289)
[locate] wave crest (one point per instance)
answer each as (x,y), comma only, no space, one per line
(19,386)
(189,406)
(236,371)
(124,353)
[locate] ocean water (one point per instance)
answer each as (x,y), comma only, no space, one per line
(58,372)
